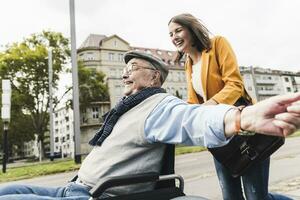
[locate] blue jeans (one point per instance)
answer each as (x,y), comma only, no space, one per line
(24,192)
(255,183)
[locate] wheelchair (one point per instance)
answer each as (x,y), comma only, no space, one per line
(165,183)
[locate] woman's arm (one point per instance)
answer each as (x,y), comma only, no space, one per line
(233,84)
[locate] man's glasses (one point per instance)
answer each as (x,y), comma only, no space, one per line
(134,67)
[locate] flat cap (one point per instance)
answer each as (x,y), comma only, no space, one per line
(155,61)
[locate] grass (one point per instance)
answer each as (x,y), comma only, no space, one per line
(188,149)
(37,169)
(296,134)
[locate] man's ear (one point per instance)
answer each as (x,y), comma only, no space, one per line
(156,75)
(156,78)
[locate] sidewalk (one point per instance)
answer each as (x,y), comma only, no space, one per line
(289,187)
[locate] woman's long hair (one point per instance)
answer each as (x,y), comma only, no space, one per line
(199,32)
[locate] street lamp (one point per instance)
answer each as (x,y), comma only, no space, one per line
(75,85)
(5,115)
(51,104)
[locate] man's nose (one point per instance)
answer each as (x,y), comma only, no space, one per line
(125,75)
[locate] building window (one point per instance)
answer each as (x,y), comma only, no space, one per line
(286,79)
(288,89)
(120,57)
(95,112)
(90,56)
(113,73)
(111,56)
(115,43)
(246,76)
(56,139)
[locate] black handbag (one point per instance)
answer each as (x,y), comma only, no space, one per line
(243,151)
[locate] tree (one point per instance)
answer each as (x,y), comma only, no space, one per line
(25,64)
(92,86)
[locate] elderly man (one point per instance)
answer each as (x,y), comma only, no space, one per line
(134,132)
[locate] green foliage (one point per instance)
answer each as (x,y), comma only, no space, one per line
(92,86)
(188,149)
(25,64)
(295,134)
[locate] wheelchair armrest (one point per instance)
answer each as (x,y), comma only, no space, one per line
(173,176)
(109,182)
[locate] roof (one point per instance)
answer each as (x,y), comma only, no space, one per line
(112,36)
(93,40)
(167,56)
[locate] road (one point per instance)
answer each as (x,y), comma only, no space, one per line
(200,178)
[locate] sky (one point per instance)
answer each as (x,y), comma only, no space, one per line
(264,33)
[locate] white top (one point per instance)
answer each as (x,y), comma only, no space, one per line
(196,78)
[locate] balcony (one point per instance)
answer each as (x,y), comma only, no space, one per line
(266,82)
(268,92)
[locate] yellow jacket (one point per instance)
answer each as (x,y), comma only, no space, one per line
(220,75)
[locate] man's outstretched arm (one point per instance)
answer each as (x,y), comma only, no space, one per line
(279,115)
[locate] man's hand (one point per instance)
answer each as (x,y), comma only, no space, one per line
(279,115)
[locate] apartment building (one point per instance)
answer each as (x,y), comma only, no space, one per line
(63,132)
(90,122)
(263,83)
(105,54)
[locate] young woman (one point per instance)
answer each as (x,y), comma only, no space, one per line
(213,77)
